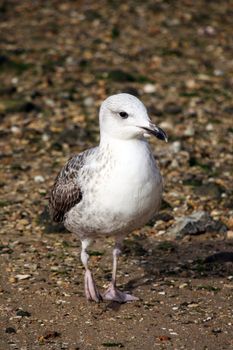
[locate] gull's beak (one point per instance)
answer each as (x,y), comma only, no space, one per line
(156,131)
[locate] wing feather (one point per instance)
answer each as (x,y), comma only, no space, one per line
(66,192)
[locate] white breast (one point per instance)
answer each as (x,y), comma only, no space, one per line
(123,193)
(134,185)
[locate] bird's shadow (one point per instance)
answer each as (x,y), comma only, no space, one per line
(206,259)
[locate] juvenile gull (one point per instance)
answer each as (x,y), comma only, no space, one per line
(112,189)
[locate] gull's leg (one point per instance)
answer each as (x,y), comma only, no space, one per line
(91,290)
(112,292)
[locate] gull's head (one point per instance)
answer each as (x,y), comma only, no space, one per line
(124,116)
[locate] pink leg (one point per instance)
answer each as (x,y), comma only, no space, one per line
(91,290)
(112,292)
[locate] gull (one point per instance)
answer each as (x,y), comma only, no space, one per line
(112,189)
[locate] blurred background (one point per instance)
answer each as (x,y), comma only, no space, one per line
(60,59)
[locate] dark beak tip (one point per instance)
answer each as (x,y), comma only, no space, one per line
(161,134)
(158,132)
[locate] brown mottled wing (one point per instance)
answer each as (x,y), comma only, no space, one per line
(66,193)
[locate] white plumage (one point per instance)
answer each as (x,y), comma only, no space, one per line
(111,189)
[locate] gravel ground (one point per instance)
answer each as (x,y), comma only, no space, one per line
(58,61)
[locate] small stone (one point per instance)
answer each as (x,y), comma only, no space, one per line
(211,190)
(88,102)
(175,146)
(218,72)
(167,126)
(52,334)
(22,277)
(229,234)
(191,84)
(45,137)
(49,102)
(164,338)
(42,191)
(207,319)
(149,88)
(12,279)
(197,223)
(23,222)
(161,216)
(209,127)
(228,285)
(16,130)
(210,30)
(39,178)
(174,164)
(189,131)
(216,330)
(192,305)
(15,80)
(204,77)
(23,313)
(183,285)
(10,330)
(54,268)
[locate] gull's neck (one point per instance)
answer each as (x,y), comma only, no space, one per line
(121,146)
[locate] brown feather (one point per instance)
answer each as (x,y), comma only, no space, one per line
(66,192)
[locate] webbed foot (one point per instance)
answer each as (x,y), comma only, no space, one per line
(114,294)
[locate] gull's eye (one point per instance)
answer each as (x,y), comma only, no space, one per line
(123,115)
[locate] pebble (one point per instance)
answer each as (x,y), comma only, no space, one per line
(207,319)
(189,131)
(216,330)
(198,222)
(174,164)
(15,80)
(49,102)
(210,30)
(209,127)
(191,84)
(192,305)
(15,130)
(166,125)
(88,102)
(23,313)
(183,285)
(45,137)
(175,146)
(39,178)
(228,285)
(229,234)
(54,268)
(22,277)
(10,330)
(149,88)
(218,72)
